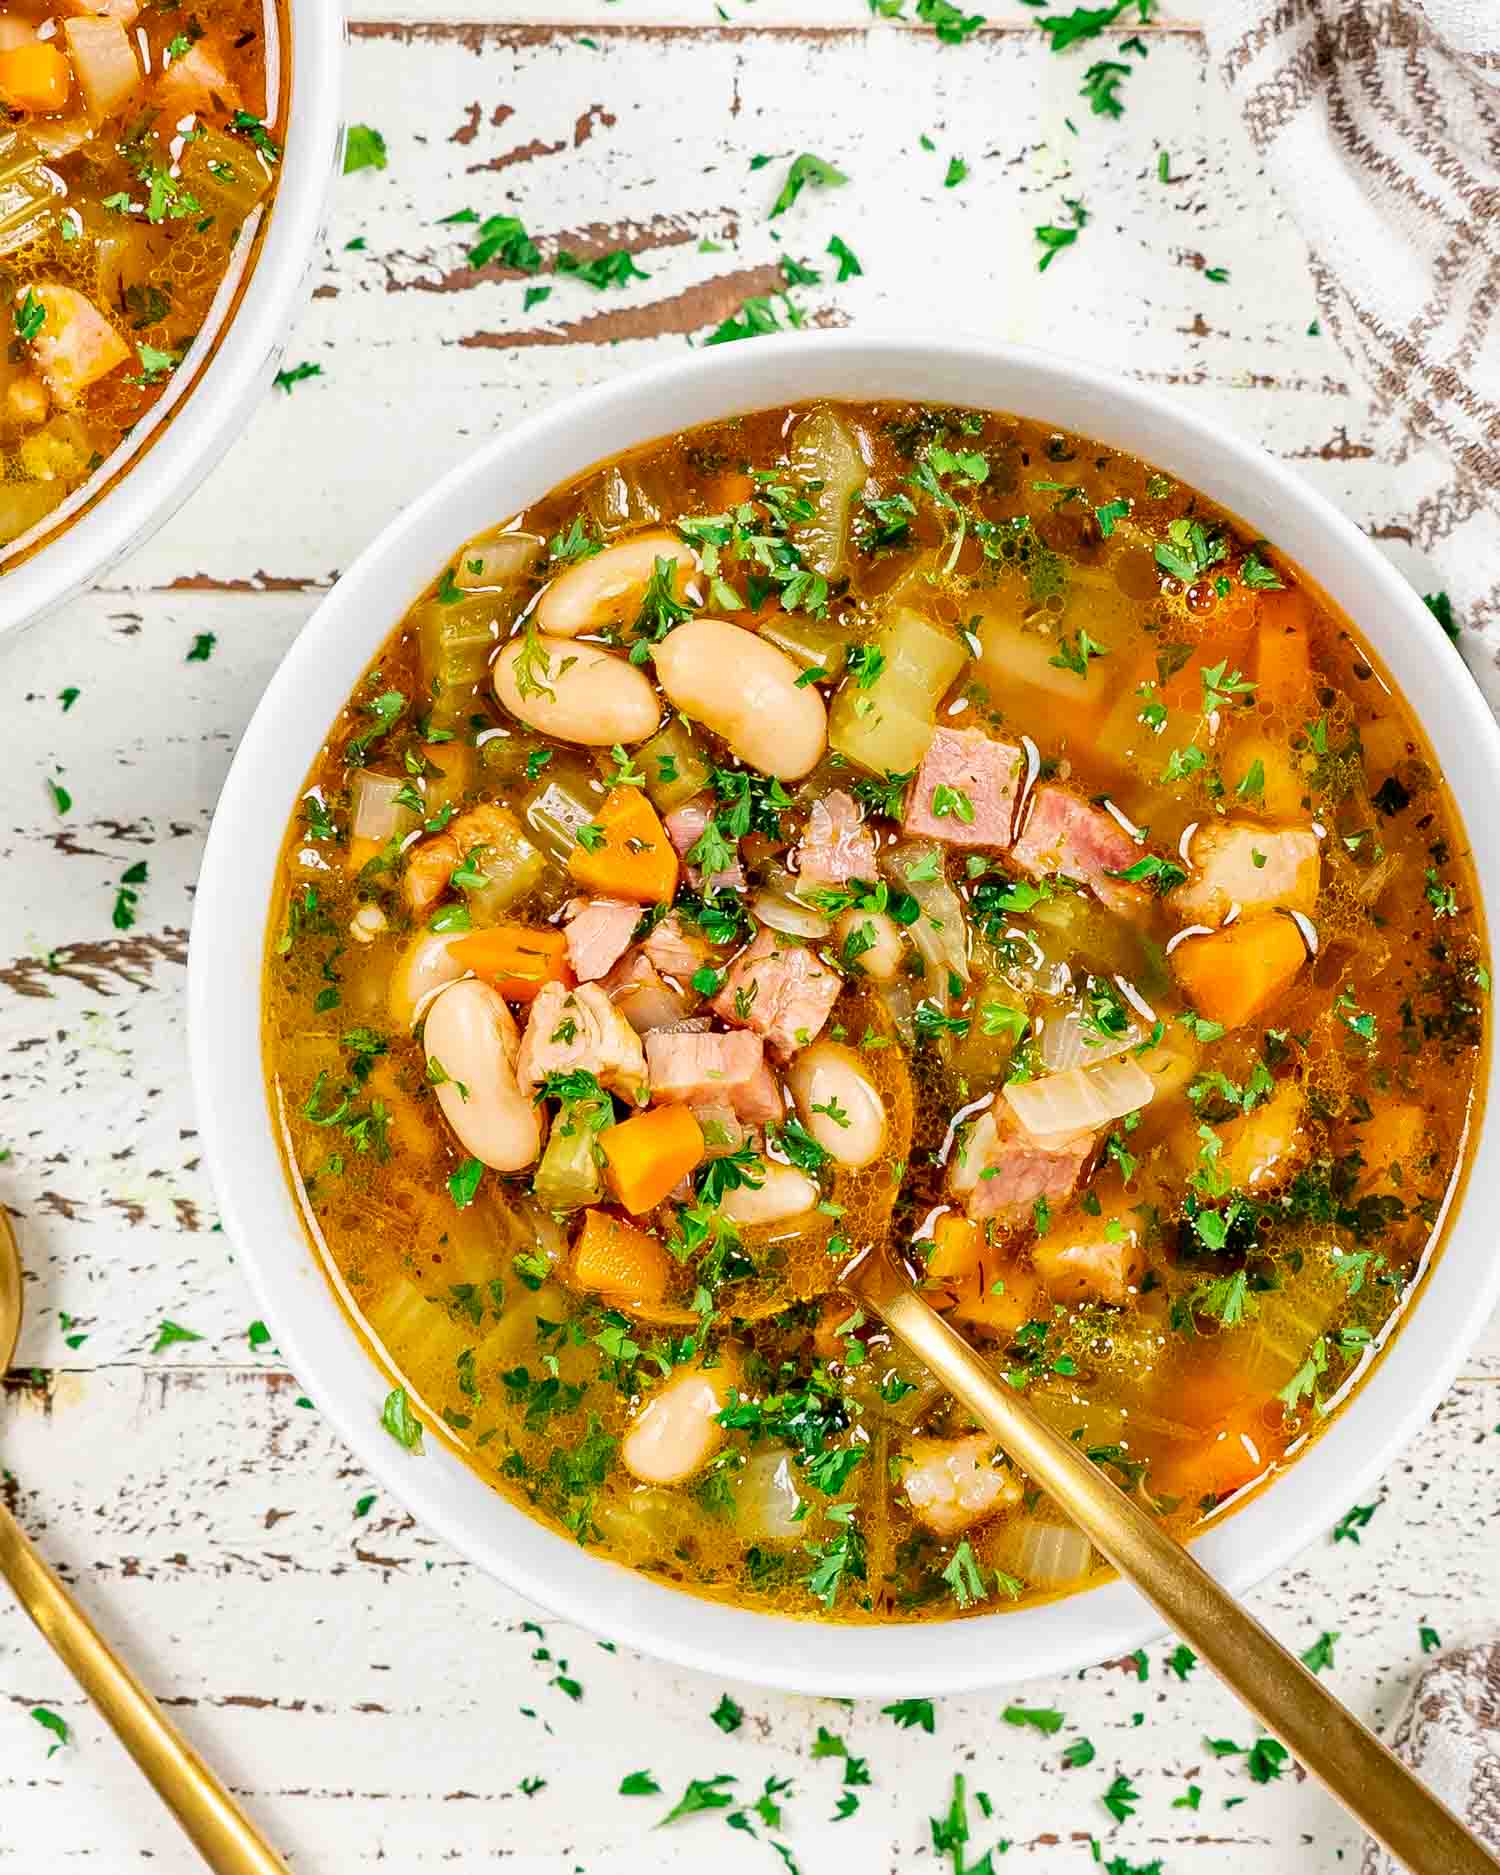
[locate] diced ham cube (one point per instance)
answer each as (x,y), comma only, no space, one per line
(674,950)
(431,862)
(1001,1169)
(704,1070)
(1239,862)
(974,780)
(581,1028)
(836,845)
(599,931)
(642,996)
(684,829)
(952,1483)
(198,82)
(1066,834)
(1081,1258)
(781,990)
(75,345)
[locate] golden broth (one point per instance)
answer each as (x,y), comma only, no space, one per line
(1277,997)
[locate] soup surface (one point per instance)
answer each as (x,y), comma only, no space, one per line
(865,824)
(135,155)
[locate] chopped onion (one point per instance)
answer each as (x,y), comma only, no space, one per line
(1045,1555)
(1080,1098)
(496,560)
(377,812)
(103,63)
(939,932)
(786,914)
(1067,1043)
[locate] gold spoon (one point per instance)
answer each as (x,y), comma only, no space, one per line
(220,1831)
(1347,1759)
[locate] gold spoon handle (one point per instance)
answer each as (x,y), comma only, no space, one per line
(1375,1787)
(219,1830)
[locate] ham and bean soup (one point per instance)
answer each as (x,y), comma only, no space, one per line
(135,156)
(847,824)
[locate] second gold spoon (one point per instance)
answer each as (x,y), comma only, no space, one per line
(220,1831)
(1351,1763)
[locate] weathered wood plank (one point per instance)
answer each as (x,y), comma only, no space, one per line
(526,120)
(369,1693)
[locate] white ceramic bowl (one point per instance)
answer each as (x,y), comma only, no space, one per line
(239,880)
(205,409)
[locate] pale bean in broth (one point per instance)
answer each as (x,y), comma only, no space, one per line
(863,823)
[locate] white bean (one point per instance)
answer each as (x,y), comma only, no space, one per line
(608,589)
(882,960)
(840,1105)
(744,690)
(783,1192)
(577,693)
(677,1431)
(423,968)
(472,1036)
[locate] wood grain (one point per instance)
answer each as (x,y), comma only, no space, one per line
(376,1700)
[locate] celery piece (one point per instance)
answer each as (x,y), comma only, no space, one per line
(674,766)
(830,472)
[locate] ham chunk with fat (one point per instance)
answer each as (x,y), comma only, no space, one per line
(836,845)
(684,829)
(965,791)
(431,862)
(1066,834)
(781,990)
(674,950)
(581,1028)
(709,1070)
(75,344)
(599,931)
(952,1484)
(1001,1169)
(1238,862)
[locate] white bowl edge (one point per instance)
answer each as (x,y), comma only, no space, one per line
(220,403)
(238,880)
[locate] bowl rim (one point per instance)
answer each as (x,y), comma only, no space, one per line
(220,400)
(238,879)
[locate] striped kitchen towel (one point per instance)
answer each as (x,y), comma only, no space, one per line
(1449,1733)
(1379,125)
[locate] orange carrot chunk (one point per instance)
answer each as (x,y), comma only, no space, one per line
(1233,975)
(515,959)
(645,1157)
(35,77)
(1283,657)
(626,852)
(618,1263)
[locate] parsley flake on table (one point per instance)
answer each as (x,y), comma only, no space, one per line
(170,1334)
(364,148)
(1079,1752)
(617,268)
(639,1784)
(957,170)
(1067,29)
(1101,86)
(848,260)
(702,1793)
(755,318)
(61,799)
(806,169)
(908,1713)
(727,1715)
(1121,1798)
(202,648)
(1320,1654)
(1044,1719)
(1430,1638)
(1181,1660)
(950,23)
(52,1722)
(1441,608)
(294,375)
(503,239)
(1055,237)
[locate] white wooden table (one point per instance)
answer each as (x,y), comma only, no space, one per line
(376,1700)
